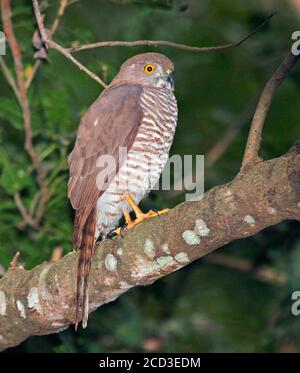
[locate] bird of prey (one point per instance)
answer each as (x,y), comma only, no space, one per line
(136,112)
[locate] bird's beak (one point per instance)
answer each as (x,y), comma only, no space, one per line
(169,78)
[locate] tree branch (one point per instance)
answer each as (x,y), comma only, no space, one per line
(25,213)
(61,11)
(9,78)
(24,103)
(41,301)
(47,40)
(253,143)
(160,43)
(67,52)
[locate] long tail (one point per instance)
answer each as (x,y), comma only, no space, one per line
(86,248)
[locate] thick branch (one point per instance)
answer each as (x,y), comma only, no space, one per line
(41,301)
(253,143)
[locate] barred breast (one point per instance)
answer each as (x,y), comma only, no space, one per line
(144,162)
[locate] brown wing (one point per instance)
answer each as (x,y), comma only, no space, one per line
(111,122)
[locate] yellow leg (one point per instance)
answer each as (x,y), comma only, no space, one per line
(119,231)
(140,216)
(127,217)
(132,204)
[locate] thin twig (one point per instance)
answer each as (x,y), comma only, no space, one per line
(52,44)
(47,40)
(34,202)
(220,147)
(26,215)
(67,51)
(14,263)
(19,70)
(61,10)
(156,43)
(9,78)
(56,254)
(254,138)
(35,69)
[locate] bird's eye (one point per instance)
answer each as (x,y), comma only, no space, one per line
(149,68)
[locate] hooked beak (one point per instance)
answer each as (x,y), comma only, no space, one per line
(169,78)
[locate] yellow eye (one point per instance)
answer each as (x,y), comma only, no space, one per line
(149,68)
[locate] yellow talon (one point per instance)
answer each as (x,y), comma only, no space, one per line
(140,216)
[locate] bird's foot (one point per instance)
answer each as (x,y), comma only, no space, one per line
(117,232)
(140,217)
(143,217)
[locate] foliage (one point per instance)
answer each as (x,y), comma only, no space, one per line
(203,307)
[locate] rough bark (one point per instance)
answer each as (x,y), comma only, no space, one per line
(41,301)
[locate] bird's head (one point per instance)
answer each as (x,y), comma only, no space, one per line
(147,69)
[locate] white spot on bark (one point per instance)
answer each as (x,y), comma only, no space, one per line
(120,251)
(272,211)
(44,301)
(124,285)
(201,228)
(250,220)
(33,298)
(96,122)
(228,193)
(164,261)
(191,238)
(298,204)
(108,281)
(149,248)
(21,308)
(229,199)
(57,324)
(144,267)
(56,281)
(165,248)
(70,253)
(2,304)
(182,258)
(110,262)
(1,337)
(108,298)
(42,285)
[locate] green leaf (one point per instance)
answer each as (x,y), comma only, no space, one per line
(13,178)
(7,205)
(10,111)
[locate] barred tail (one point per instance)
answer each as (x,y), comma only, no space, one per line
(86,249)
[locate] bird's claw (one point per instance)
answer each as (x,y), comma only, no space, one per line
(117,232)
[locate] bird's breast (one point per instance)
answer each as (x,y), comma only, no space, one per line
(145,159)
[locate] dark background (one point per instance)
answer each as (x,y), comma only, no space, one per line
(240,304)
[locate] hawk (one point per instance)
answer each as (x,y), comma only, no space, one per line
(136,112)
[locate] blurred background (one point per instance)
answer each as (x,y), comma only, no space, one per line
(237,299)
